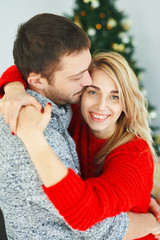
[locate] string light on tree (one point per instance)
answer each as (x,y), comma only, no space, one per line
(124,37)
(76,21)
(95,3)
(86,1)
(126,24)
(111,23)
(157,139)
(153,114)
(91,32)
(118,47)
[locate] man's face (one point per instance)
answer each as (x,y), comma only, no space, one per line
(69,82)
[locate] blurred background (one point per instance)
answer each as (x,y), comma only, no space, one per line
(140,19)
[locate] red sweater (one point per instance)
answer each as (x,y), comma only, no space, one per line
(125,184)
(12,74)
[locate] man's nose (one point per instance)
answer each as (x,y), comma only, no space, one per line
(87,80)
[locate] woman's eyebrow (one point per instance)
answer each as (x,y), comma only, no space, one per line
(97,88)
(114,91)
(93,86)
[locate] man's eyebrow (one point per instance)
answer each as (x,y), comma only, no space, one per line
(77,74)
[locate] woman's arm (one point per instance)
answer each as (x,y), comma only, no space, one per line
(12,74)
(12,89)
(52,171)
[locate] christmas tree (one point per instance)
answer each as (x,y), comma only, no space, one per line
(108,29)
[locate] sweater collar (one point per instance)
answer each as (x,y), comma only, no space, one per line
(96,141)
(63,111)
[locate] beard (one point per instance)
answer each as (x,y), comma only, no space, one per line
(60,99)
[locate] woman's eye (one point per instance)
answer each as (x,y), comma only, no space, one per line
(92,92)
(114,97)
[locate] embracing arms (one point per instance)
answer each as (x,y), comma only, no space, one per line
(65,171)
(51,170)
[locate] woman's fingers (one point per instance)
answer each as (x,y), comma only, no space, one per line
(154,208)
(46,116)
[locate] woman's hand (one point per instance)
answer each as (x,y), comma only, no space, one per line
(15,97)
(154,208)
(32,122)
(142,224)
(156,227)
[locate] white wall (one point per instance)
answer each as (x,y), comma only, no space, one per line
(15,12)
(144,15)
(145,18)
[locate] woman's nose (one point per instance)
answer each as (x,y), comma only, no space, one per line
(102,104)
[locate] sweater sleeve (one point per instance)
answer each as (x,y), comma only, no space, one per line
(125,183)
(12,74)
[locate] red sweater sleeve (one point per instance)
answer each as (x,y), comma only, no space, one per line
(12,74)
(125,185)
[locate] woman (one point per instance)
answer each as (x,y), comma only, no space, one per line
(114,148)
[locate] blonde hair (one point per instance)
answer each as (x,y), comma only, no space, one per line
(134,120)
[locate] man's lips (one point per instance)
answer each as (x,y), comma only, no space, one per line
(99,117)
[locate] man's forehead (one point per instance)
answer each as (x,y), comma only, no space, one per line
(75,63)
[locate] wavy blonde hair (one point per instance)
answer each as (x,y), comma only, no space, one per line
(134,120)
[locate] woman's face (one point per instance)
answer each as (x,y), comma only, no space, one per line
(100,105)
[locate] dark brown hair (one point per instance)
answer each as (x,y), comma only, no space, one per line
(43,40)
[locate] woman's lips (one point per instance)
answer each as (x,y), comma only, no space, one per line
(99,117)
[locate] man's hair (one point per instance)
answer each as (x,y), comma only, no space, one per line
(43,40)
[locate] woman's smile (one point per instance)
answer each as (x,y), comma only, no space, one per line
(99,117)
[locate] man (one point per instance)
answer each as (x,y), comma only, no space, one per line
(53,56)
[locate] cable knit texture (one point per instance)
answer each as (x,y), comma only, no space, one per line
(27,211)
(125,184)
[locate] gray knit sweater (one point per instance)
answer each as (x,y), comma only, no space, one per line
(28,214)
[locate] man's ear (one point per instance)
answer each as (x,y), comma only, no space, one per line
(36,81)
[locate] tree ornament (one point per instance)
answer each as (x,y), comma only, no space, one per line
(83,13)
(98,26)
(102,15)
